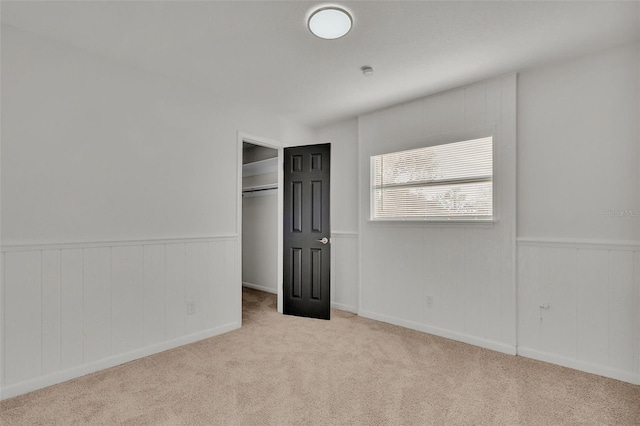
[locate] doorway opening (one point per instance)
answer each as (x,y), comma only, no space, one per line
(260,215)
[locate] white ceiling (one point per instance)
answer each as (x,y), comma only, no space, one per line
(262,53)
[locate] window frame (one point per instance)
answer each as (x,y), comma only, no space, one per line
(440,220)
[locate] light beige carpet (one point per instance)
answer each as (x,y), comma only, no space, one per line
(281,370)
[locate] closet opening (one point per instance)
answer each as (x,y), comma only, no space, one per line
(260,218)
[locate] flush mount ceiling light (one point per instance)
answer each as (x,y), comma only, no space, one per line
(330,22)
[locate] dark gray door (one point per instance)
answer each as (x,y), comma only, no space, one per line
(307,255)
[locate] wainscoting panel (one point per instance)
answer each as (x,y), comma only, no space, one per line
(51,311)
(71,309)
(103,316)
(22,310)
(154,293)
(217,274)
(344,271)
(578,305)
(636,269)
(197,288)
(174,322)
(451,282)
(127,299)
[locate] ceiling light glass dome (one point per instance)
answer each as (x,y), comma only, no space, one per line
(330,22)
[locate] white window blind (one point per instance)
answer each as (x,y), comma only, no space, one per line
(449,181)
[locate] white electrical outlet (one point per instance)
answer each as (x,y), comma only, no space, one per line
(191,308)
(429,301)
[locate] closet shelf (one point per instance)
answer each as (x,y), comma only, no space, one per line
(259,188)
(261,167)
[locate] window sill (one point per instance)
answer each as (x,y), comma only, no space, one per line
(438,223)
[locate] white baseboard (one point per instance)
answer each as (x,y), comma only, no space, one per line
(601,370)
(453,335)
(343,307)
(16,389)
(260,287)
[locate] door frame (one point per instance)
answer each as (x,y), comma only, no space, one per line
(279,146)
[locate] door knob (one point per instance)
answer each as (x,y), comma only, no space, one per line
(324,240)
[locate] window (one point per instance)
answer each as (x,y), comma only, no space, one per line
(453,181)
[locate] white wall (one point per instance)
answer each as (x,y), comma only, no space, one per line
(111,153)
(96,155)
(469,270)
(579,213)
(343,137)
(578,148)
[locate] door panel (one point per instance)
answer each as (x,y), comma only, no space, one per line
(316,273)
(306,223)
(296,272)
(296,206)
(316,206)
